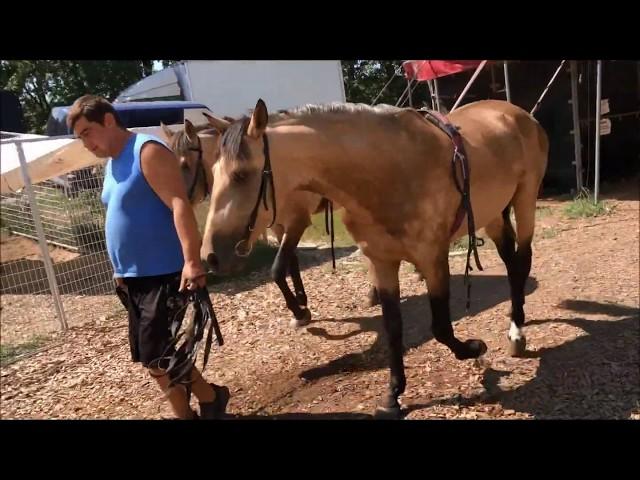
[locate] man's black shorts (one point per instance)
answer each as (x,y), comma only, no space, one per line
(152,303)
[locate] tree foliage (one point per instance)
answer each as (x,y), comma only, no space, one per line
(365,79)
(44,84)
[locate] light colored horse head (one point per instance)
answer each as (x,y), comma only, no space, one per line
(196,149)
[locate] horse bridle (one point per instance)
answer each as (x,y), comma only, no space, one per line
(199,170)
(265,182)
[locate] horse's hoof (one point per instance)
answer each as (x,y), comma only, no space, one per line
(372,302)
(301,322)
(518,347)
(471,349)
(372,297)
(477,346)
(387,413)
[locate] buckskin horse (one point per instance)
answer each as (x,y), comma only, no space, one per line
(196,149)
(406,181)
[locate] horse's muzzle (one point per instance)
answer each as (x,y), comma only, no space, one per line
(212,262)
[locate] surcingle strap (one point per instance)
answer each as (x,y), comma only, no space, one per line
(463,186)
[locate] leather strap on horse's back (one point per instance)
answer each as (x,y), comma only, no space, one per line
(459,157)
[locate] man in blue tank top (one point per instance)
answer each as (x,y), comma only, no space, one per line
(152,240)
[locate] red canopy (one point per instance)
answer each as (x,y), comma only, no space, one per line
(422,70)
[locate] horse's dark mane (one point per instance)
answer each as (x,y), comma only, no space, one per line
(180,142)
(232,144)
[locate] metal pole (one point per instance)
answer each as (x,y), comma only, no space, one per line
(535,107)
(596,188)
(431,94)
(466,89)
(35,210)
(507,88)
(576,124)
(435,86)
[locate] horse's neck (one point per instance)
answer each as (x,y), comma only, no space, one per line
(328,163)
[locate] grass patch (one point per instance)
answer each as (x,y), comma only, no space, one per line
(542,212)
(583,206)
(8,353)
(549,233)
(462,243)
(316,232)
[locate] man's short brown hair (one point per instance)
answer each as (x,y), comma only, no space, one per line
(93,108)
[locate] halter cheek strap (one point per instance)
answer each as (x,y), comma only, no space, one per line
(199,171)
(265,183)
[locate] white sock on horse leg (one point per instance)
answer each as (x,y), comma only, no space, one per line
(515,332)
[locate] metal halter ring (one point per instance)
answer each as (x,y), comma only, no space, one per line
(245,254)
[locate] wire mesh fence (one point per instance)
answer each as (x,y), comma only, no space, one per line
(72,217)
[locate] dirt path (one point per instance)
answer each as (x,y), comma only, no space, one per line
(583,331)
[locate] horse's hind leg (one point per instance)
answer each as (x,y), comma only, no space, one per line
(436,271)
(518,262)
(279,271)
(524,207)
(298,286)
(501,232)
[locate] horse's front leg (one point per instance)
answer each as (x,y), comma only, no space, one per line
(298,286)
(279,270)
(385,275)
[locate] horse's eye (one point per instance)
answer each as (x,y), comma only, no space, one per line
(240,176)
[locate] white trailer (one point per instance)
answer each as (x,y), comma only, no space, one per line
(232,87)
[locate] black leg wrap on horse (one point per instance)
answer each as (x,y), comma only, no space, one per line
(390,302)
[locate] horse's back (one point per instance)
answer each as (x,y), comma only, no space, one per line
(506,130)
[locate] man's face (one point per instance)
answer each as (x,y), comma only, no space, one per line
(95,137)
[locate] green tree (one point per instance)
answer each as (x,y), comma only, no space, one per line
(44,84)
(365,79)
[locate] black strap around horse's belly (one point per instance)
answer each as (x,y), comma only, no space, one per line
(328,212)
(465,191)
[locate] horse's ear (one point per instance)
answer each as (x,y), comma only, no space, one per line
(167,131)
(259,119)
(190,130)
(217,123)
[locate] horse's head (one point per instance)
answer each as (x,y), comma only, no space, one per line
(237,211)
(196,151)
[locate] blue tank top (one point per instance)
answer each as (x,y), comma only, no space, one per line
(141,236)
